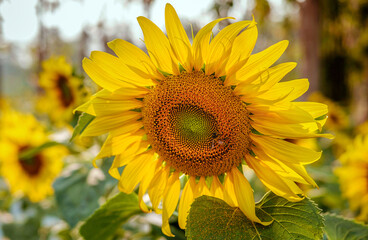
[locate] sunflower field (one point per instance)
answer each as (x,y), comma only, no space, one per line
(215,119)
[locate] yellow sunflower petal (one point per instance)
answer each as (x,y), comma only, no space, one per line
(88,107)
(146,180)
(300,170)
(122,160)
(217,189)
(118,70)
(272,180)
(186,199)
(104,98)
(289,130)
(100,77)
(104,124)
(292,89)
(292,171)
(128,93)
(317,110)
(313,108)
(244,194)
(259,62)
(129,127)
(285,151)
(136,170)
(201,188)
(170,200)
(85,107)
(264,81)
(178,38)
(103,107)
(113,171)
(133,57)
(220,47)
(115,145)
(242,48)
(201,43)
(229,193)
(158,47)
(157,187)
(286,113)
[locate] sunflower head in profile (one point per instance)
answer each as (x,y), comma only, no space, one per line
(191,114)
(63,91)
(353,176)
(25,170)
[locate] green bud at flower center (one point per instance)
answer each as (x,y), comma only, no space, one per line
(194,125)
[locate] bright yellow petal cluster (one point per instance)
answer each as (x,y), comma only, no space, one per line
(62,90)
(31,177)
(353,175)
(274,116)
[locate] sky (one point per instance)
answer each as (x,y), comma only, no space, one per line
(73,15)
(20,22)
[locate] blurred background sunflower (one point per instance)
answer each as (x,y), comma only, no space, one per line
(61,90)
(353,176)
(28,170)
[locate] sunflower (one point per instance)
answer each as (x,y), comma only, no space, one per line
(192,114)
(362,128)
(30,174)
(353,175)
(63,90)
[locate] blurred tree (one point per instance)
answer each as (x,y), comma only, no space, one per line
(1,64)
(221,9)
(355,25)
(334,55)
(42,7)
(147,6)
(334,38)
(83,44)
(262,11)
(309,37)
(345,54)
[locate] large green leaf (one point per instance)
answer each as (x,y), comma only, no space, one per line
(84,120)
(75,198)
(339,228)
(27,230)
(212,218)
(108,218)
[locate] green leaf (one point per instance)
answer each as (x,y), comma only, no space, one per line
(75,198)
(29,153)
(28,230)
(321,117)
(212,218)
(108,218)
(84,120)
(339,228)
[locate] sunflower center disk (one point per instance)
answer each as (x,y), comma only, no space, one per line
(32,166)
(192,125)
(196,124)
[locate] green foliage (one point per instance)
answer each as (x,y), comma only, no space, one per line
(29,153)
(84,120)
(339,228)
(65,235)
(75,198)
(108,218)
(27,230)
(212,218)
